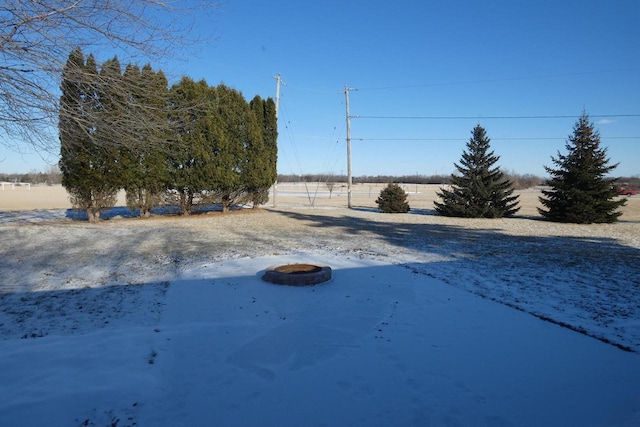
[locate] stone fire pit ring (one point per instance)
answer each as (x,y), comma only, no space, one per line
(297,274)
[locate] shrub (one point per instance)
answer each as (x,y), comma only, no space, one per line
(393,199)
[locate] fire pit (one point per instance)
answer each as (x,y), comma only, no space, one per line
(297,274)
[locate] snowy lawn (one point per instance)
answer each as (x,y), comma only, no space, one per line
(427,321)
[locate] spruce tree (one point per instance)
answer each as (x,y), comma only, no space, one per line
(579,192)
(393,199)
(481,190)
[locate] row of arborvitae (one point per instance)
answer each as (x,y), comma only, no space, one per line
(579,191)
(186,145)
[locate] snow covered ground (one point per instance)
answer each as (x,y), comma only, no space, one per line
(428,321)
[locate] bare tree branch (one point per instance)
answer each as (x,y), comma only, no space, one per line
(36,37)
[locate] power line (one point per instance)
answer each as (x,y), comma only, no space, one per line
(492,117)
(493,139)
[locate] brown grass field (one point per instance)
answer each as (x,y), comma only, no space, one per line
(297,195)
(581,276)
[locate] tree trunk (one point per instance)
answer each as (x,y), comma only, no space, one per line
(226,201)
(185,202)
(93,215)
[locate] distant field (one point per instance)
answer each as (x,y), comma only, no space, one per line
(421,198)
(584,276)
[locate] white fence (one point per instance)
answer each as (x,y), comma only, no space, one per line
(13,185)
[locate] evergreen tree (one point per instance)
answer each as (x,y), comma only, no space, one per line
(143,156)
(220,151)
(129,149)
(579,191)
(111,112)
(481,190)
(241,132)
(261,171)
(270,135)
(189,158)
(393,199)
(85,163)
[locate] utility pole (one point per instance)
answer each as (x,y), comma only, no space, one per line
(347,89)
(275,184)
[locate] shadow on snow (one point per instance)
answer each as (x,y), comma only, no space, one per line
(544,276)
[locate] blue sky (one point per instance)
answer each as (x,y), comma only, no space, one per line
(477,61)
